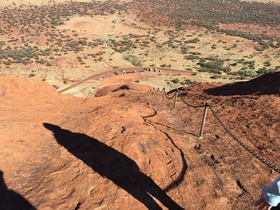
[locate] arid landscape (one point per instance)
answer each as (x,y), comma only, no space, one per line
(85,123)
(64,42)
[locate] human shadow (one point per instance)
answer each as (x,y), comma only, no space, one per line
(176,182)
(11,200)
(114,166)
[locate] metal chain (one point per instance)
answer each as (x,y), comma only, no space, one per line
(176,182)
(179,94)
(201,106)
(226,128)
(165,94)
(171,96)
(242,144)
(161,91)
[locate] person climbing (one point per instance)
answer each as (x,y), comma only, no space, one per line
(270,196)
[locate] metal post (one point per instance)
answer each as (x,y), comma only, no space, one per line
(163,93)
(176,95)
(203,120)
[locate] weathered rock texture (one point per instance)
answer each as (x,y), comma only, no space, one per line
(130,150)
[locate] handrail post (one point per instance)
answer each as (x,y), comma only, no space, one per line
(203,120)
(176,95)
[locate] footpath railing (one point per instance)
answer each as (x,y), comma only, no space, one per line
(206,106)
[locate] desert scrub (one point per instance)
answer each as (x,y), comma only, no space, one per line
(175,80)
(134,60)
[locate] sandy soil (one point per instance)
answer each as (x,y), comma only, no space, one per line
(263,1)
(41,2)
(38,2)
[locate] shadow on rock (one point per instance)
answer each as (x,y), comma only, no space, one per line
(266,84)
(113,165)
(11,200)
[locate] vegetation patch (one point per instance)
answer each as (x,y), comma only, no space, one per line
(134,60)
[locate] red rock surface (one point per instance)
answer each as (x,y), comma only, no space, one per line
(131,150)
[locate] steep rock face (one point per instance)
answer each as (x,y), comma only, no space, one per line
(129,149)
(267,84)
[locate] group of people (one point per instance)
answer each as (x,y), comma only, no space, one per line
(124,72)
(155,70)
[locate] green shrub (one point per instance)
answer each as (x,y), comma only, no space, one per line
(267,64)
(191,57)
(112,11)
(134,60)
(195,40)
(175,80)
(215,76)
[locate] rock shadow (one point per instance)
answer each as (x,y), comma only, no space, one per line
(113,165)
(267,84)
(11,200)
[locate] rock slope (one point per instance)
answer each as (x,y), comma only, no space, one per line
(128,149)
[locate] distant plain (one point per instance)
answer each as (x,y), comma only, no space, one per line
(65,43)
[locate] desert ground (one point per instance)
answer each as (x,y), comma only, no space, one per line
(112,140)
(41,2)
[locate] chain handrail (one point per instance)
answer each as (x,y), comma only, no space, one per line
(180,178)
(226,128)
(161,91)
(165,94)
(190,105)
(181,96)
(242,144)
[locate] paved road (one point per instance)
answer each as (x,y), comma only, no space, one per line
(121,71)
